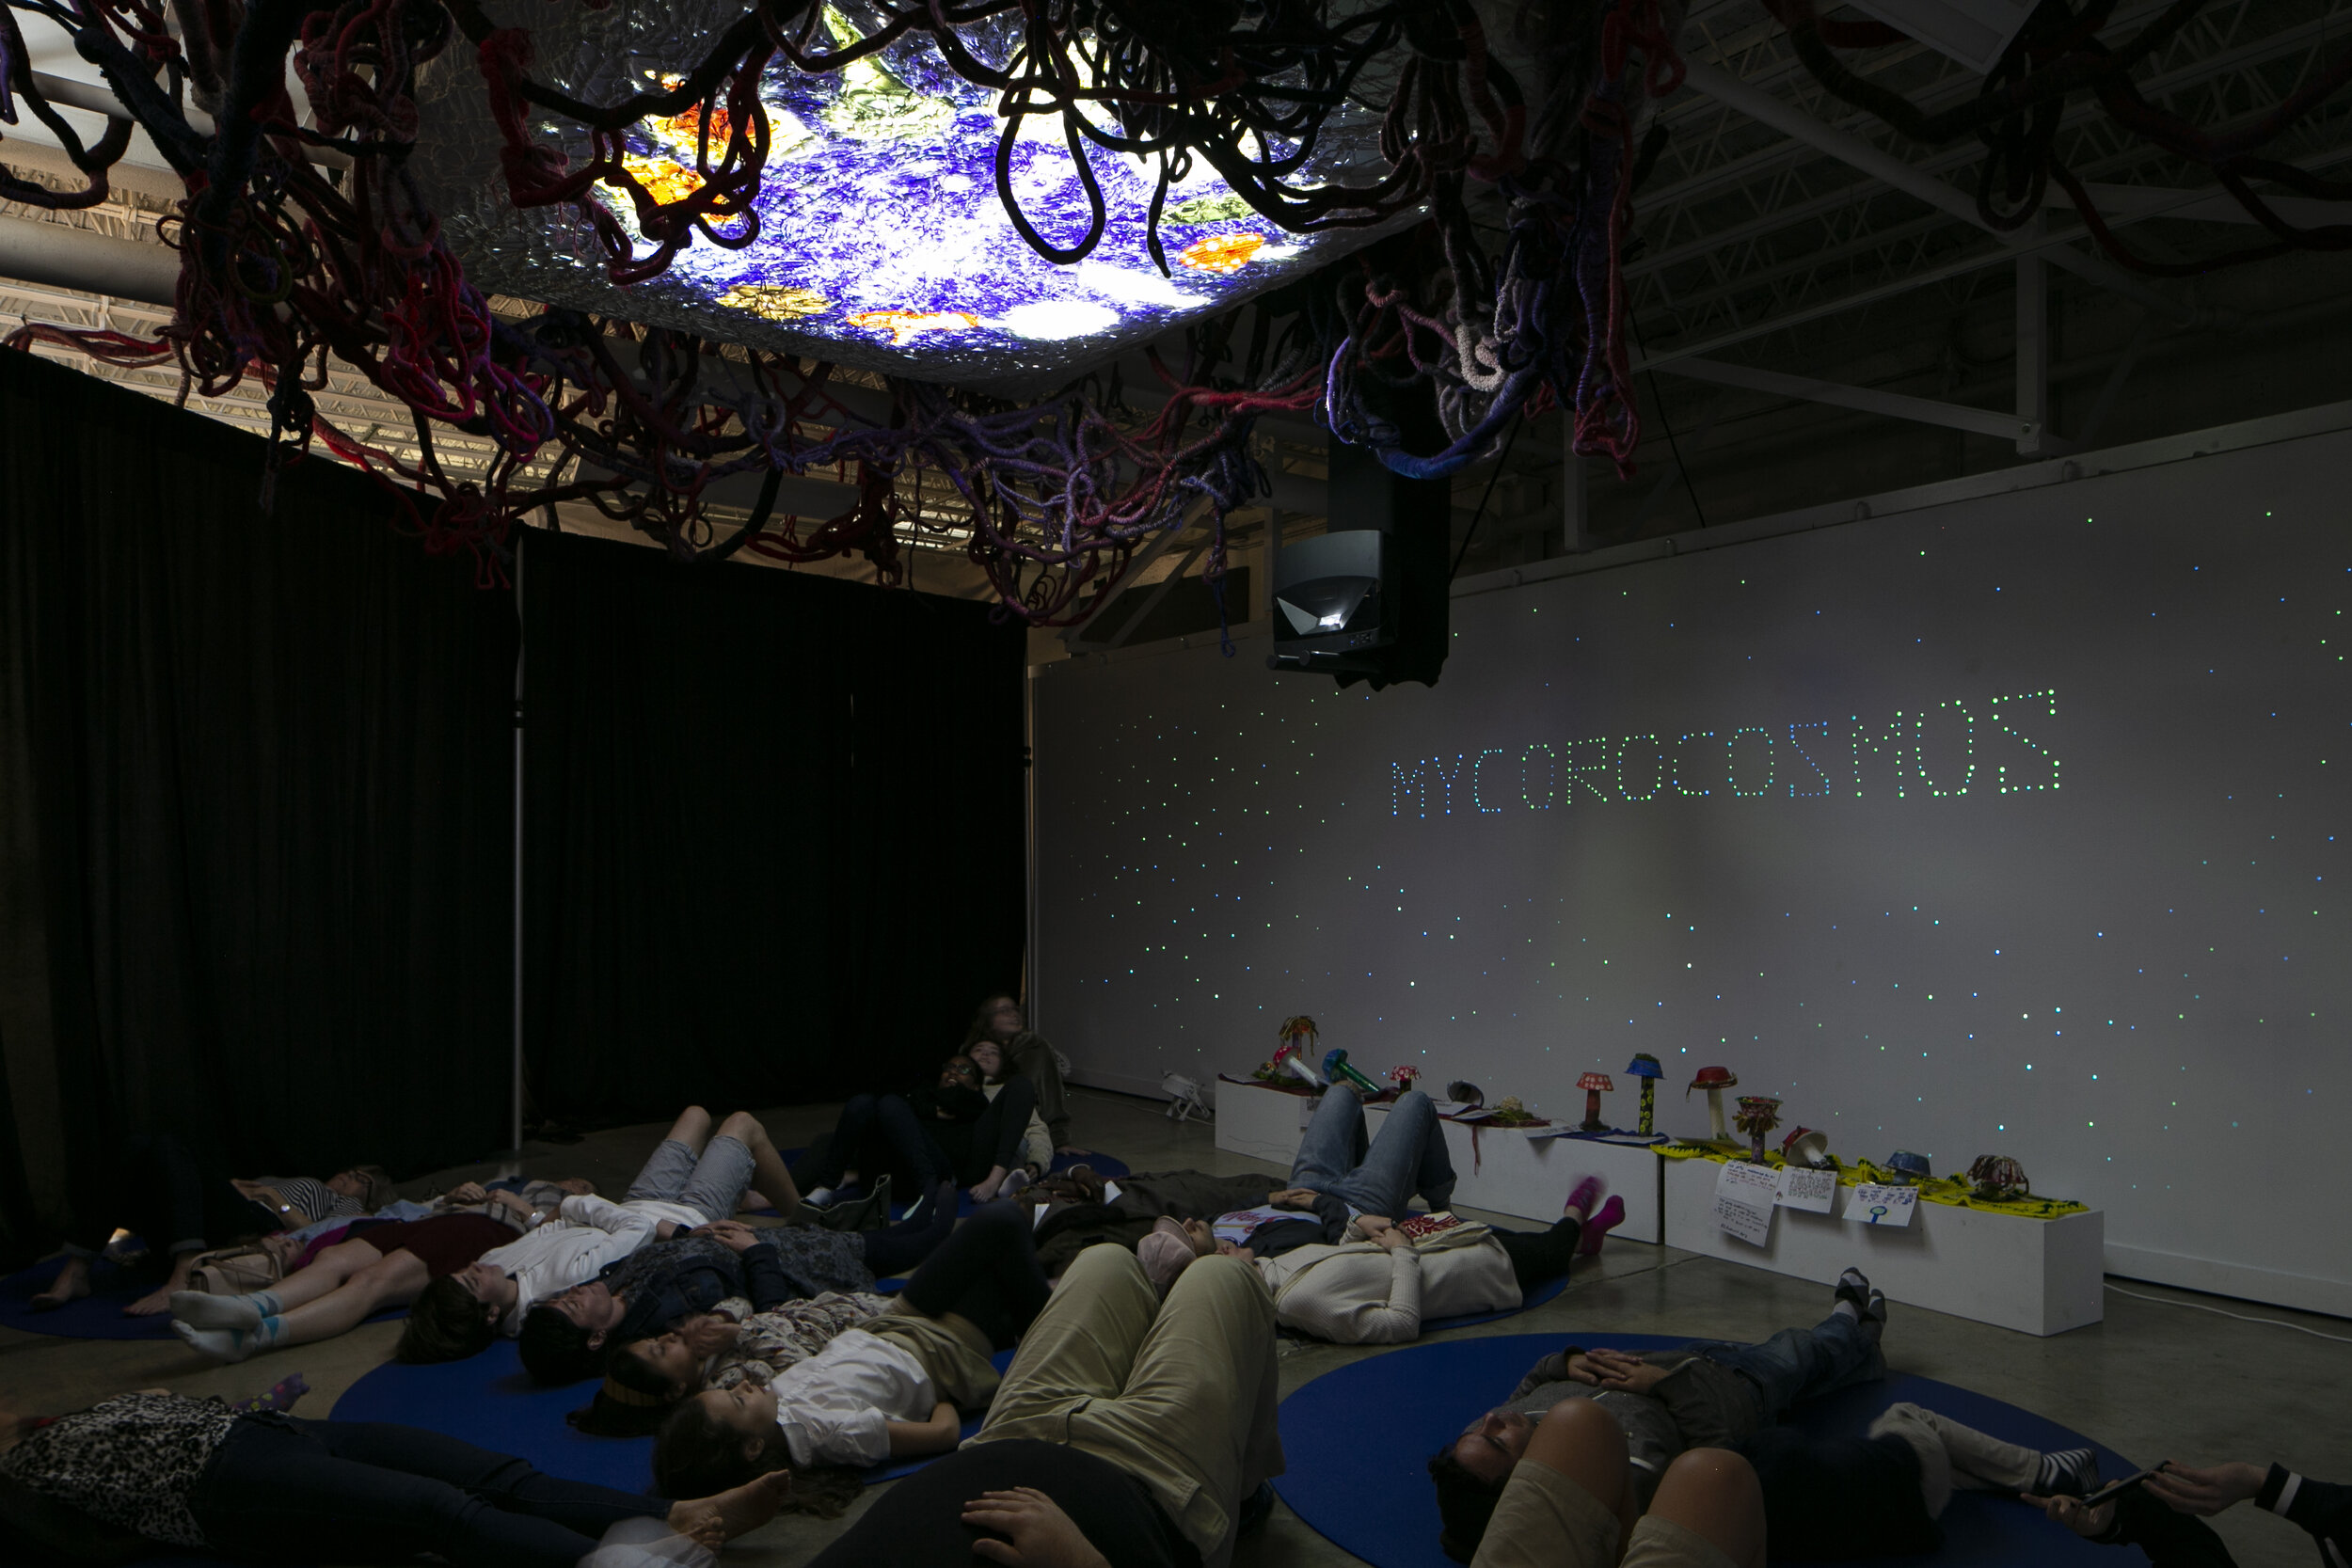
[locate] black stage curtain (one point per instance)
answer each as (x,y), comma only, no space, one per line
(255,809)
(773,832)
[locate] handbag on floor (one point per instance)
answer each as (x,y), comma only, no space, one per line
(236,1270)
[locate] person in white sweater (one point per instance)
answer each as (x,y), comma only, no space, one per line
(1377,1287)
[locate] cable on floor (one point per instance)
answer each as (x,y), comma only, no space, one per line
(2168,1301)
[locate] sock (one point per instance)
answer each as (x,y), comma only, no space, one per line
(199,1310)
(221,1344)
(2073,1472)
(1597,1229)
(266,1303)
(281,1396)
(1580,1202)
(817,1198)
(1846,1310)
(1852,1292)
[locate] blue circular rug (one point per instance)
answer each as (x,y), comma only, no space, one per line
(1358,1441)
(491,1402)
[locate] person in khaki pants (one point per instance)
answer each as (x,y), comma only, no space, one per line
(1568,1504)
(1127,1429)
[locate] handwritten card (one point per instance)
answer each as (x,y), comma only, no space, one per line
(1873,1205)
(1744,1196)
(1811,1190)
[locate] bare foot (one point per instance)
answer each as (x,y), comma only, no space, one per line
(753,1198)
(719,1518)
(155,1304)
(71,1284)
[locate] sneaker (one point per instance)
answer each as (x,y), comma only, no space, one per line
(2067,1473)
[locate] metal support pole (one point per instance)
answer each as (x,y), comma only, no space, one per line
(2033,354)
(1028,806)
(515,1125)
(1576,535)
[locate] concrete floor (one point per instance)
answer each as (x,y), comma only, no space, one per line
(2154,1381)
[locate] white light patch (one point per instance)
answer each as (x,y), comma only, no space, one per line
(1054,320)
(1131,286)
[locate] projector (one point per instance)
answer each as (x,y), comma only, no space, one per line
(1331,600)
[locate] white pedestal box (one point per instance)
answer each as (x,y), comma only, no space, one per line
(1261,1123)
(2038,1276)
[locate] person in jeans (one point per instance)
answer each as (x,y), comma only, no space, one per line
(267,1487)
(1707,1392)
(1128,1429)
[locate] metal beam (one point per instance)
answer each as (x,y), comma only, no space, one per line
(62,257)
(2210,206)
(1952,416)
(1891,171)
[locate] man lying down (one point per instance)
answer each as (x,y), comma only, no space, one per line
(1345,1258)
(1673,1455)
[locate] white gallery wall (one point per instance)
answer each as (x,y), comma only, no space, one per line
(2012,826)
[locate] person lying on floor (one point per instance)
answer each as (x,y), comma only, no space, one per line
(1821,1499)
(731,1344)
(158,1470)
(2151,1515)
(573,1334)
(163,1192)
(1706,1392)
(1127,1429)
(952,1130)
(893,1387)
(1378,1290)
(693,1177)
(998,1029)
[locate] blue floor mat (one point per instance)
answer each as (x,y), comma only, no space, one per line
(98,1315)
(488,1400)
(1358,1441)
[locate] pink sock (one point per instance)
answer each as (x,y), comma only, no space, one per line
(1597,1229)
(1580,1202)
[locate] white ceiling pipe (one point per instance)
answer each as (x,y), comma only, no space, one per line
(59,257)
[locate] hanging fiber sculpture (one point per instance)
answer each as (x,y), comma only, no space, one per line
(286,261)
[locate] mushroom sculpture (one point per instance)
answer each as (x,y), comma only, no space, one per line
(1714,1079)
(1759,1114)
(1298,1039)
(1595,1084)
(1336,1068)
(1645,1067)
(1907,1169)
(1806,1146)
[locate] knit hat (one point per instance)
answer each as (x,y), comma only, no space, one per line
(1164,1254)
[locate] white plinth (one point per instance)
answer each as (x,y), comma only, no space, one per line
(1509,1173)
(2038,1276)
(1261,1123)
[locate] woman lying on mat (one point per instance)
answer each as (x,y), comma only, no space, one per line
(1377,1285)
(731,1344)
(1128,1429)
(1703,1392)
(889,1389)
(141,1471)
(692,1178)
(165,1193)
(954,1130)
(998,1030)
(573,1335)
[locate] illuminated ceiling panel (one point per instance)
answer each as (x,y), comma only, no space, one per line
(882,243)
